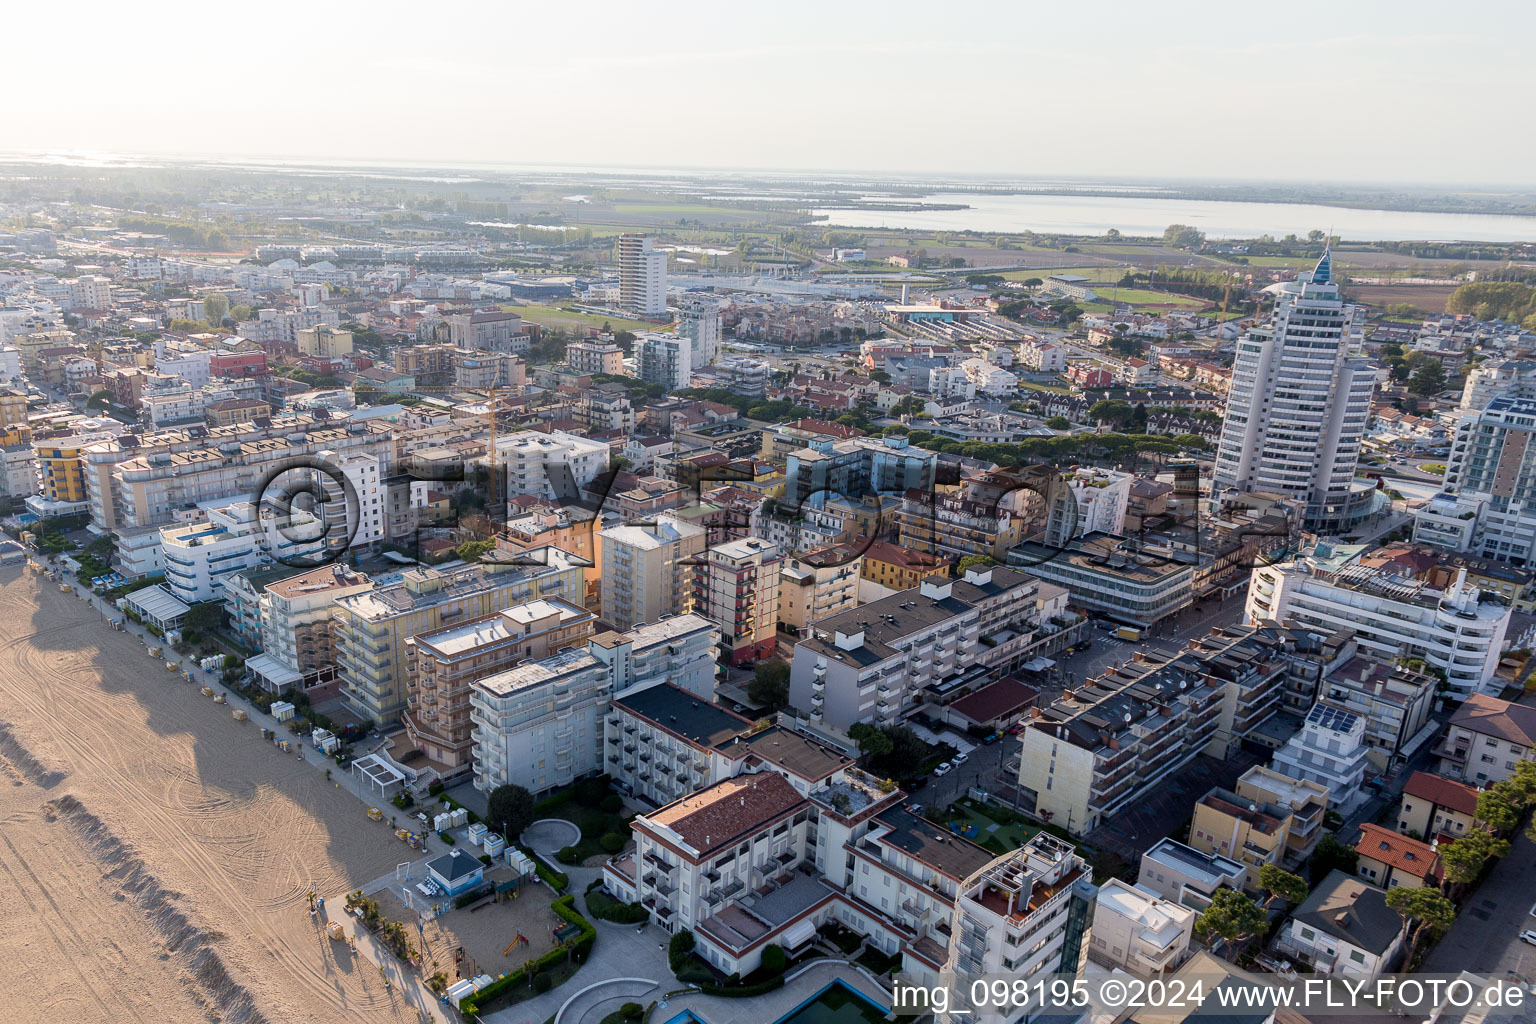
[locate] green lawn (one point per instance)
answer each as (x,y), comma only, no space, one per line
(1011,836)
(1146,297)
(564,319)
(1036,386)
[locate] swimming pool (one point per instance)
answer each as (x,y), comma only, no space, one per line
(836,1003)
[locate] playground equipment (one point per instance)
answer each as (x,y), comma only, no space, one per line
(521,940)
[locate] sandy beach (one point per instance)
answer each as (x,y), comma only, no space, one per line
(157,853)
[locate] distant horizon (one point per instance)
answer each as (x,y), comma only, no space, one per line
(149,159)
(1183,90)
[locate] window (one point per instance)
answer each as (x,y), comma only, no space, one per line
(1357,956)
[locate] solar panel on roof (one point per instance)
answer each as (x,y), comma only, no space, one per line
(1329,717)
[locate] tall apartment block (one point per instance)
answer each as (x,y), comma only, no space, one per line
(698,320)
(371,629)
(665,359)
(1298,405)
(647,570)
(642,276)
(442,666)
(736,586)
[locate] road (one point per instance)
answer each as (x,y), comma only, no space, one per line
(1486,936)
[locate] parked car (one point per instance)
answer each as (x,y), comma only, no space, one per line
(944,769)
(1529,935)
(959,758)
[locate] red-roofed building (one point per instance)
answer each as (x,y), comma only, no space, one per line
(1433,805)
(898,568)
(1395,861)
(995,706)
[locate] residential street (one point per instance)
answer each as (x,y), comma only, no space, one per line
(1486,936)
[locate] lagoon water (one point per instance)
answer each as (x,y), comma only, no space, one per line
(1149,215)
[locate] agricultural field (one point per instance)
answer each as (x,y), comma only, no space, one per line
(1430,298)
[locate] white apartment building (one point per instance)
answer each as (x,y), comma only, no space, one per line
(1042,357)
(1345,927)
(647,570)
(1488,506)
(1298,405)
(1485,739)
(138,480)
(1137,930)
(665,359)
(874,663)
(199,556)
(541,724)
(187,362)
(1085,501)
(642,277)
(699,320)
(90,292)
(555,465)
(489,331)
(1329,750)
(170,406)
(1456,630)
(1498,378)
(1024,915)
(663,742)
(591,355)
(298,650)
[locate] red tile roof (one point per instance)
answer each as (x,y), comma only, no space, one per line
(1399,852)
(729,811)
(1442,792)
(1003,697)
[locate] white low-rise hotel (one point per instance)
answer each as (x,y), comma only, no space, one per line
(1458,630)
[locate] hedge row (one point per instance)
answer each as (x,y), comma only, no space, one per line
(604,907)
(558,879)
(564,908)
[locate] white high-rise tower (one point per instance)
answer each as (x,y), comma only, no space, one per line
(1298,405)
(698,318)
(642,276)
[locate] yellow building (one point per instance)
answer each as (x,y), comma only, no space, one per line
(61,473)
(13,408)
(325,341)
(1252,834)
(14,434)
(899,568)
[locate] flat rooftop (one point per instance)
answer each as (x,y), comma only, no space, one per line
(679,712)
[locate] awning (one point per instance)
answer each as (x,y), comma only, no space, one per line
(278,676)
(158,605)
(798,934)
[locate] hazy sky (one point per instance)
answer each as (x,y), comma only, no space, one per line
(1358,90)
